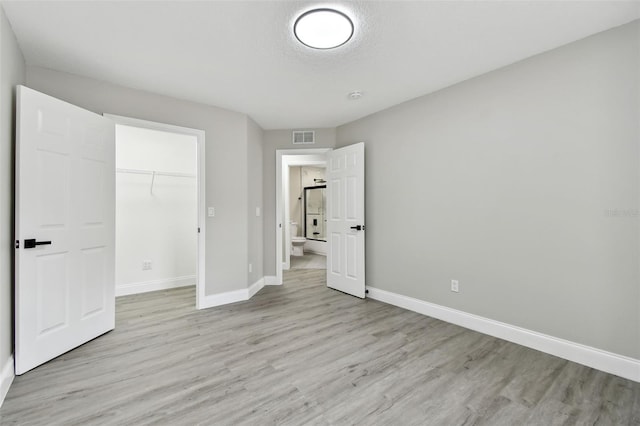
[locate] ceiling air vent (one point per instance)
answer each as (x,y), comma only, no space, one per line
(304,136)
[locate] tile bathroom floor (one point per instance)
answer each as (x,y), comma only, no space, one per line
(309,261)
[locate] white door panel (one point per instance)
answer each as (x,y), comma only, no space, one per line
(345,224)
(65,194)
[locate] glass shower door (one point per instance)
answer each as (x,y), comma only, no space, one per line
(315,212)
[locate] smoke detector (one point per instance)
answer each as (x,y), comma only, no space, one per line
(356,94)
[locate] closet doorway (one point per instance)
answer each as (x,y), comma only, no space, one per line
(159,207)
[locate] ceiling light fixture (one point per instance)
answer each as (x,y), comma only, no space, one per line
(323,28)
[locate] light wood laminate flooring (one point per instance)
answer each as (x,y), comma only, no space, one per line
(302,354)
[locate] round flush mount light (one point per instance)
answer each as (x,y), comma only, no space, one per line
(323,28)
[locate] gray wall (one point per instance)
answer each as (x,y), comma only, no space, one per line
(12,73)
(226,160)
(274,140)
(510,182)
(255,136)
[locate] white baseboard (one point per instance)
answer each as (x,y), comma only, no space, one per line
(272,280)
(255,287)
(225,298)
(6,378)
(234,296)
(154,285)
(609,362)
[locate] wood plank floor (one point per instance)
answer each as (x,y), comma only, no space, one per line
(304,354)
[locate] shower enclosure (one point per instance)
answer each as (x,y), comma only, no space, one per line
(315,212)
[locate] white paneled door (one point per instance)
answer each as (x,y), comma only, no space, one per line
(345,220)
(65,227)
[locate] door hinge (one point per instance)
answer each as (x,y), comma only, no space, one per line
(198,230)
(17,244)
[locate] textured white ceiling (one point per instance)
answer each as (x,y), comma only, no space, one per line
(242,55)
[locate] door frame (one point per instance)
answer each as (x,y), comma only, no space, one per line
(284,159)
(200,178)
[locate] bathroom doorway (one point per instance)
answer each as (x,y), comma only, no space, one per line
(159,207)
(307,205)
(289,163)
(345,214)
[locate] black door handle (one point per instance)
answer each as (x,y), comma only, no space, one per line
(31,243)
(358,227)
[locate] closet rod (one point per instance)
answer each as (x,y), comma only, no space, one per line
(156,173)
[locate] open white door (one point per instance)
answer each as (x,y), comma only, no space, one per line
(65,227)
(345,221)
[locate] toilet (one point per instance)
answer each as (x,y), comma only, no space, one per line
(297,243)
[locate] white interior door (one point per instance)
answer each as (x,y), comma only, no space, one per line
(65,227)
(345,221)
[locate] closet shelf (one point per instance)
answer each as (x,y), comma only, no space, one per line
(153,174)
